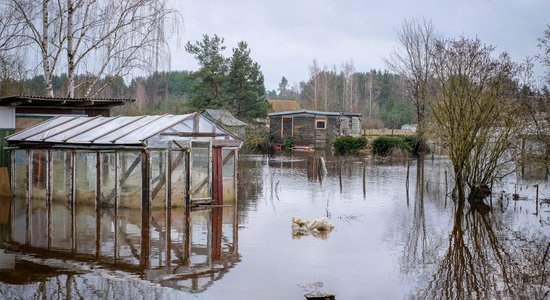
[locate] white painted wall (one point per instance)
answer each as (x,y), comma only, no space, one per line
(7,117)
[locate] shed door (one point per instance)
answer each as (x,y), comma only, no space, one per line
(287,128)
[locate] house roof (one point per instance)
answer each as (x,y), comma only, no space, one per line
(314,112)
(282,105)
(37,101)
(224,117)
(143,131)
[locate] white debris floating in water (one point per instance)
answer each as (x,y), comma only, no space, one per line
(319,228)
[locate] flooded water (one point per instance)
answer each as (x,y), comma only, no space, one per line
(393,238)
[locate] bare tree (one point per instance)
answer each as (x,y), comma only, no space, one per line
(413,62)
(473,111)
(544,57)
(11,58)
(97,38)
(350,91)
(372,92)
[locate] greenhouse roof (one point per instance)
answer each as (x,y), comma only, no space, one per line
(153,131)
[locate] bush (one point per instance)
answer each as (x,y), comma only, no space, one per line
(348,144)
(257,140)
(414,143)
(385,144)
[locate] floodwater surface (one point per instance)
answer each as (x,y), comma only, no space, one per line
(397,234)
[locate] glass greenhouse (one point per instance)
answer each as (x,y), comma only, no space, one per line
(103,185)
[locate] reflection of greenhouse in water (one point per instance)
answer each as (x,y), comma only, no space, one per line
(121,189)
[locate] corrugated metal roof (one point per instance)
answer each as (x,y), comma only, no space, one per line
(21,100)
(120,130)
(224,117)
(314,112)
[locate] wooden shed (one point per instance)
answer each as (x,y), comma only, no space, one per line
(313,128)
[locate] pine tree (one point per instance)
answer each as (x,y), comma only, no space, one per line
(245,90)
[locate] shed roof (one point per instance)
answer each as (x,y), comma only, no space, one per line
(224,117)
(34,101)
(282,105)
(144,131)
(314,112)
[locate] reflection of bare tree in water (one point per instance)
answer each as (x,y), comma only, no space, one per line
(481,264)
(415,252)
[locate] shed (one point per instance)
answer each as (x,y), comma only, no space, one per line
(127,162)
(313,128)
(226,120)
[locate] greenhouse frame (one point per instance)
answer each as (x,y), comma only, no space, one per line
(125,161)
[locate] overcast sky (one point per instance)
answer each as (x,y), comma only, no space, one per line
(286,35)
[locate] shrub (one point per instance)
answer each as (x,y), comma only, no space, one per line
(414,143)
(257,140)
(348,144)
(385,144)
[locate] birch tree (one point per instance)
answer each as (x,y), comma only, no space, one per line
(413,62)
(96,38)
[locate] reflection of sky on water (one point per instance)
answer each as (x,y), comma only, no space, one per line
(385,245)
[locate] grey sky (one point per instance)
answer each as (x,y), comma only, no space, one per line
(285,36)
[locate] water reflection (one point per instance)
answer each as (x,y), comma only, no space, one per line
(483,258)
(183,248)
(384,245)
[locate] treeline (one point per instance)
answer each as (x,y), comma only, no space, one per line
(378,95)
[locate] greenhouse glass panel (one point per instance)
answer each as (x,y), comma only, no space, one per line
(228,175)
(129,236)
(158,179)
(200,237)
(116,125)
(229,229)
(200,170)
(129,176)
(185,126)
(179,242)
(151,129)
(74,133)
(206,126)
(136,124)
(34,130)
(107,232)
(19,216)
(158,242)
(85,201)
(108,178)
(58,129)
(178,177)
(39,216)
(61,230)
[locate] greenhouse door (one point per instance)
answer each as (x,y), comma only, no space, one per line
(200,172)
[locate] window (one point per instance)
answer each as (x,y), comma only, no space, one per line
(320,124)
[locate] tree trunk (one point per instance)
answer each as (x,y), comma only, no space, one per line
(459,185)
(48,86)
(70,51)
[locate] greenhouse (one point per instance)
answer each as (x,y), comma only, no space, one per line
(125,162)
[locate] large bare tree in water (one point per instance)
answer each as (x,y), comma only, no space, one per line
(473,111)
(413,62)
(97,39)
